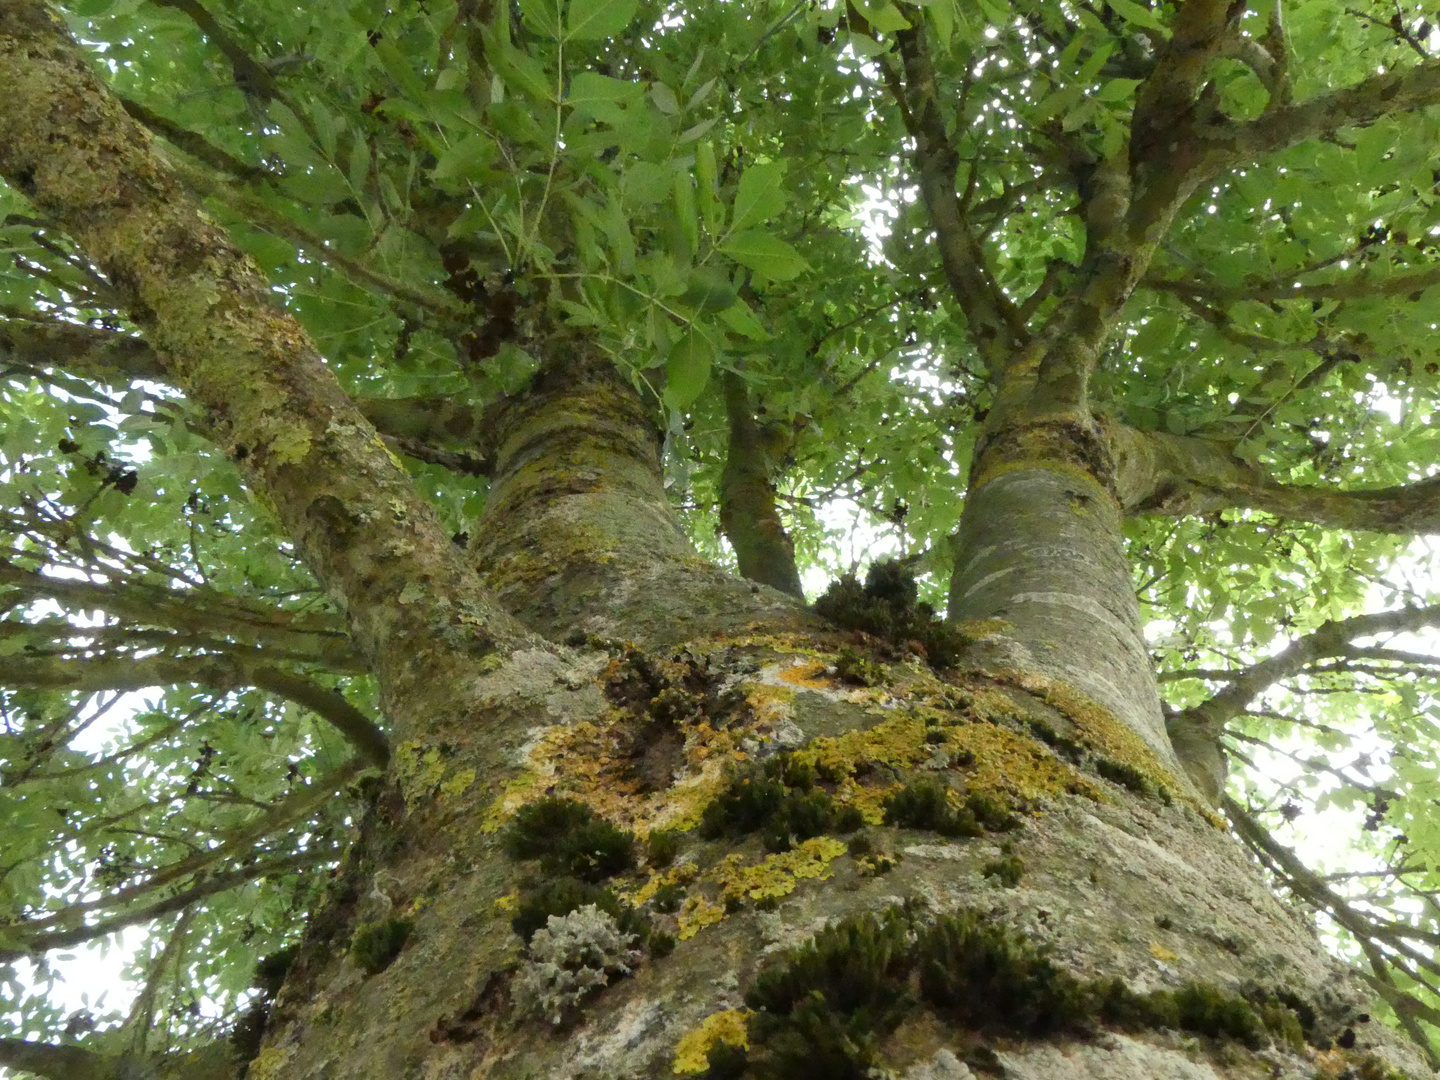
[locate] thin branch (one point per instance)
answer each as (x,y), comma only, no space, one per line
(37,943)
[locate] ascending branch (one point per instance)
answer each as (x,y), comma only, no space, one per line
(262,388)
(1179,476)
(994,325)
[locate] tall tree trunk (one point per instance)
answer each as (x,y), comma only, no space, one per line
(1040,552)
(1060,824)
(1108,864)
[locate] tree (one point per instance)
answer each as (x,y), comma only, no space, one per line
(381,380)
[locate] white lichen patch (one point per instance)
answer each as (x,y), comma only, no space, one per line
(576,955)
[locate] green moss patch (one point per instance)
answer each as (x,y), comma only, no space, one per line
(376,945)
(887,607)
(924,803)
(569,840)
(824,1009)
(781,803)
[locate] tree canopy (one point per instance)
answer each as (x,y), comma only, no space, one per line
(816,236)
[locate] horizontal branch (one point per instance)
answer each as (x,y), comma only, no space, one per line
(1375,98)
(57,1062)
(1178,475)
(37,943)
(1356,287)
(195,611)
(237,845)
(222,672)
(217,1061)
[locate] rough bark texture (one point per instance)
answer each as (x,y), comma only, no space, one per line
(680,675)
(578,534)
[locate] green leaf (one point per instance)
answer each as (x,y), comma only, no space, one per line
(709,291)
(710,208)
(687,369)
(761,194)
(766,255)
(523,72)
(1117,90)
(885,18)
(739,318)
(466,158)
(602,97)
(1138,14)
(594,20)
(664,99)
(685,213)
(542,17)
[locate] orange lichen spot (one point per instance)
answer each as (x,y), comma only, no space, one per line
(692,1053)
(695,915)
(778,874)
(811,675)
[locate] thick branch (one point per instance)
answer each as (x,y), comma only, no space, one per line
(265,392)
(747,499)
(1379,96)
(1354,288)
(1178,475)
(197,146)
(58,1062)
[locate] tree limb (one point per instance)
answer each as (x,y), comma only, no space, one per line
(35,943)
(1180,475)
(250,370)
(237,845)
(215,671)
(993,324)
(417,426)
(57,1062)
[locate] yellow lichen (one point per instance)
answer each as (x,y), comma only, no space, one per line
(697,914)
(981,629)
(1100,729)
(458,783)
(507,903)
(810,675)
(419,770)
(271,1060)
(778,874)
(1160,952)
(770,704)
(675,875)
(1015,767)
(692,1053)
